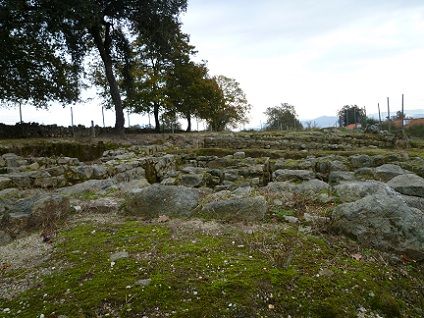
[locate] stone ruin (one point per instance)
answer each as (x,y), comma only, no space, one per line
(378,199)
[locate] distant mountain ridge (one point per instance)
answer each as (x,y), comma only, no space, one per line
(321,122)
(333,121)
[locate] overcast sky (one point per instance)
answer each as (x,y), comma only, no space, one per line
(316,55)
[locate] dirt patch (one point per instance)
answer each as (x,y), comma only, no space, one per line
(20,263)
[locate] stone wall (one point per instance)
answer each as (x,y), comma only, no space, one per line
(35,130)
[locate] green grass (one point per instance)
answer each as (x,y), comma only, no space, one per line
(273,272)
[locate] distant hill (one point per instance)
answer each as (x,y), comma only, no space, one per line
(321,122)
(332,121)
(414,113)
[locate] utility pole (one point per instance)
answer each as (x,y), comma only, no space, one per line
(388,113)
(379,115)
(72,122)
(20,113)
(103,115)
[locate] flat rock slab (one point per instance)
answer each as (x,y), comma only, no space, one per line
(311,187)
(408,184)
(354,190)
(389,171)
(237,209)
(292,175)
(384,222)
(163,200)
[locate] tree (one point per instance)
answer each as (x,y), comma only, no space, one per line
(282,117)
(156,63)
(31,64)
(191,90)
(351,114)
(64,32)
(228,106)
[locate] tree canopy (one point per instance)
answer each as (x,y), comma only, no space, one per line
(282,117)
(351,114)
(45,44)
(228,105)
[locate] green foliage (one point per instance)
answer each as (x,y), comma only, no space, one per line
(282,117)
(33,66)
(60,34)
(415,131)
(191,91)
(229,106)
(352,114)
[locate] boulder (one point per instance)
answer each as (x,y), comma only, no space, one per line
(191,180)
(388,171)
(365,173)
(408,184)
(336,177)
(354,190)
(236,209)
(239,155)
(90,185)
(292,175)
(5,183)
(311,187)
(414,202)
(384,222)
(33,213)
(163,200)
(361,161)
(100,206)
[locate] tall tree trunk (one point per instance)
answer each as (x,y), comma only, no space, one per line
(156,114)
(188,117)
(104,48)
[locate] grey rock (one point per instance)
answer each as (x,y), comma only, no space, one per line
(126,187)
(99,172)
(355,190)
(144,282)
(243,191)
(21,180)
(413,202)
(408,184)
(383,222)
(324,166)
(315,218)
(192,180)
(292,175)
(336,177)
(311,187)
(365,173)
(169,181)
(118,255)
(237,209)
(192,170)
(388,171)
(100,206)
(291,219)
(239,155)
(361,161)
(133,174)
(5,183)
(5,238)
(163,200)
(90,185)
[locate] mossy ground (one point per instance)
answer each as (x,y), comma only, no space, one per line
(198,269)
